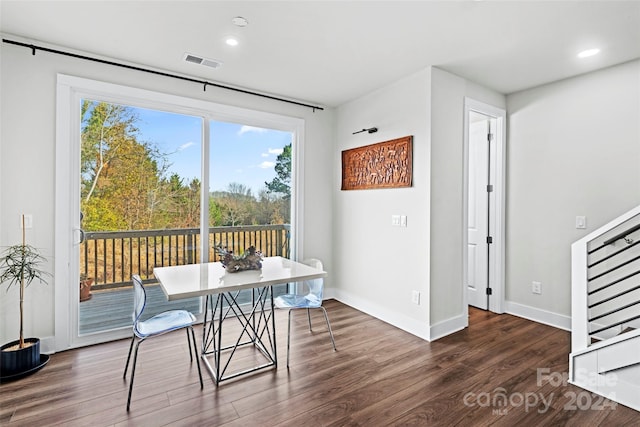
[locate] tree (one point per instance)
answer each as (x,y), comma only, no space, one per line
(106,129)
(271,209)
(281,184)
(215,212)
(125,184)
(180,203)
(122,182)
(237,204)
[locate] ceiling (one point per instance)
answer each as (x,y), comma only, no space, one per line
(330,52)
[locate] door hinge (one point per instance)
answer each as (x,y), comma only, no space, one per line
(489,188)
(489,240)
(489,291)
(489,137)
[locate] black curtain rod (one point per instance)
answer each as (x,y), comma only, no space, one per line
(159,73)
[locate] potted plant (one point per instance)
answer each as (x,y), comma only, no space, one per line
(20,265)
(85,287)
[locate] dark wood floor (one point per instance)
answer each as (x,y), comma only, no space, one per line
(379,376)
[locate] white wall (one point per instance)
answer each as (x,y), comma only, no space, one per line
(574,149)
(27,168)
(378,265)
(447,192)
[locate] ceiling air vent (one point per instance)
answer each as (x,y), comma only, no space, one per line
(194,59)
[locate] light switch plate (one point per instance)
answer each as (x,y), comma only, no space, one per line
(28,221)
(415,297)
(395,220)
(581,222)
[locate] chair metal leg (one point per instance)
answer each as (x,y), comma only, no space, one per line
(124,376)
(133,373)
(309,317)
(288,338)
(329,326)
(189,341)
(195,350)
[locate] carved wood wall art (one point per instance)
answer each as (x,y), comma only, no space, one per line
(383,165)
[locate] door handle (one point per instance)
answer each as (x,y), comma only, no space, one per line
(81,235)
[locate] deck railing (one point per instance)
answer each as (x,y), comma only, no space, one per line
(112,257)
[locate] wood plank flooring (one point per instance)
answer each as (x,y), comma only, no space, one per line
(484,375)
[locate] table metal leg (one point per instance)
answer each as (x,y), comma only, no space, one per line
(258,329)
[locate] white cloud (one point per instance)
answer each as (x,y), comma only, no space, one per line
(272,151)
(186,145)
(245,129)
(266,165)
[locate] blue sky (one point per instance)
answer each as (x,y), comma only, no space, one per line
(239,153)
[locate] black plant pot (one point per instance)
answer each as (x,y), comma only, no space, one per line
(20,361)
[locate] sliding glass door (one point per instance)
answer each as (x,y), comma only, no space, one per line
(147,179)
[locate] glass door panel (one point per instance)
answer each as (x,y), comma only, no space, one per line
(250,191)
(140,208)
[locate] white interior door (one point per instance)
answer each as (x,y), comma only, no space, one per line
(478,215)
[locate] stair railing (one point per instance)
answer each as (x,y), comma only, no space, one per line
(605,277)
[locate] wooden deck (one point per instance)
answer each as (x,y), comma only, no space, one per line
(380,376)
(111,309)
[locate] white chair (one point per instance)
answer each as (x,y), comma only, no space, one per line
(159,324)
(309,301)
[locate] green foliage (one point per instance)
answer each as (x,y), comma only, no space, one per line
(21,262)
(281,184)
(124,182)
(215,213)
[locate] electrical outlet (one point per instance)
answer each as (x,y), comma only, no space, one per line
(395,220)
(536,288)
(415,297)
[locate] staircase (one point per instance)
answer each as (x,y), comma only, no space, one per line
(605,305)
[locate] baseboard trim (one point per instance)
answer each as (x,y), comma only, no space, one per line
(449,326)
(48,345)
(398,320)
(556,320)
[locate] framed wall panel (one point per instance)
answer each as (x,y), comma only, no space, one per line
(386,164)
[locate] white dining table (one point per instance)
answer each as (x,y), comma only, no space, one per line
(221,290)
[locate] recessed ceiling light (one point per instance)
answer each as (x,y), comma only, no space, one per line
(231,41)
(589,52)
(240,21)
